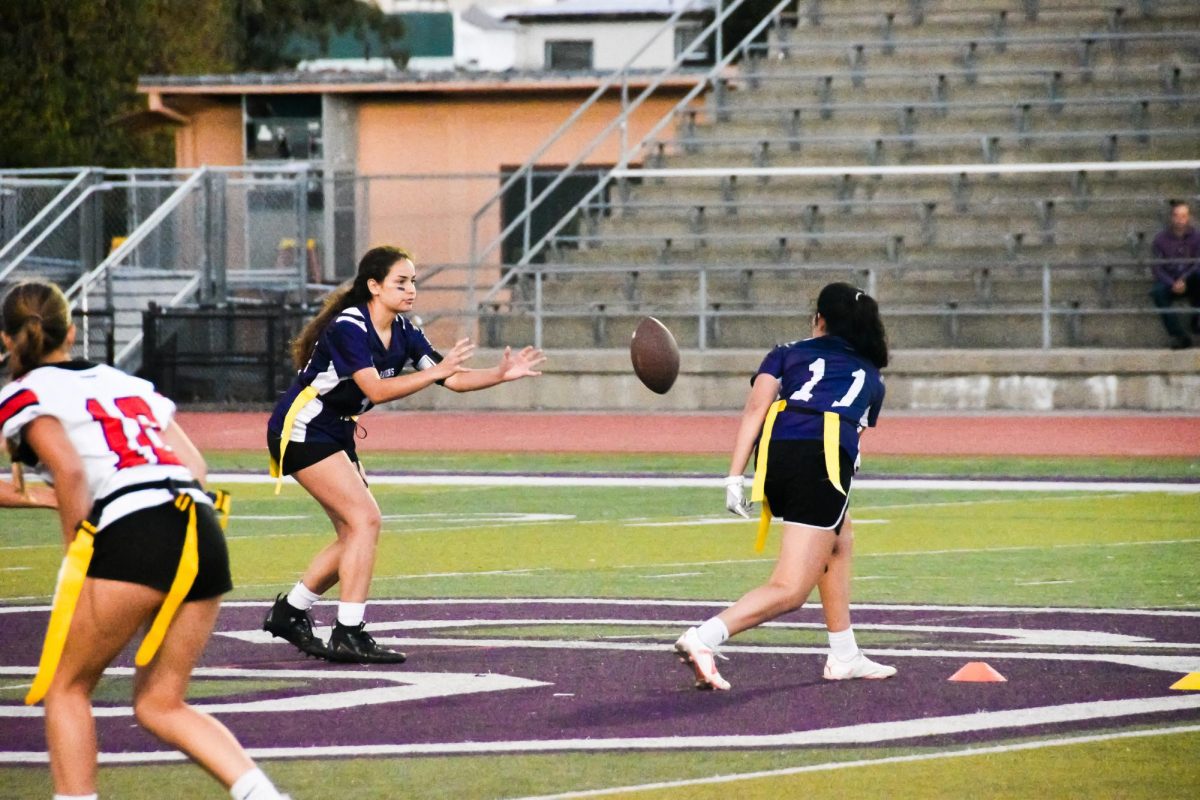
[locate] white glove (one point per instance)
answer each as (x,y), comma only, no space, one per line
(735,496)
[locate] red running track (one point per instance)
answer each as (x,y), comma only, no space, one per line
(1084,435)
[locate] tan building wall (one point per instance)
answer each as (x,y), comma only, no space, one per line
(213,135)
(460,136)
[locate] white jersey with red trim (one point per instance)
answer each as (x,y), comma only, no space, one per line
(112,419)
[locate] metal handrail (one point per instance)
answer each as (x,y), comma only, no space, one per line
(621,74)
(980,41)
(135,342)
(29,226)
(78,291)
(618,123)
(840,107)
(912,170)
(626,152)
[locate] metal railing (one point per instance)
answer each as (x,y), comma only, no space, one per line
(703,308)
(620,78)
(627,152)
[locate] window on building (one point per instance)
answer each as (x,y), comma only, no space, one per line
(284,127)
(685,34)
(568,54)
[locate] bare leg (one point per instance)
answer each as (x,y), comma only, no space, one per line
(159,690)
(336,484)
(107,616)
(802,559)
(834,585)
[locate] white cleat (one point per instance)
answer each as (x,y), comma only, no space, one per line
(858,667)
(703,660)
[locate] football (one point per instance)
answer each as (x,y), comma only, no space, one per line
(655,355)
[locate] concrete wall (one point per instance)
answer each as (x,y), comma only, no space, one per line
(924,380)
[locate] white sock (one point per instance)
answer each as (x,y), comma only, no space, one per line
(351,614)
(842,644)
(75,797)
(254,785)
(713,633)
(300,597)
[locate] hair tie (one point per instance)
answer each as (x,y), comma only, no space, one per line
(857,295)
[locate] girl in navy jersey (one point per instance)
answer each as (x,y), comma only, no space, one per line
(143,543)
(808,403)
(350,357)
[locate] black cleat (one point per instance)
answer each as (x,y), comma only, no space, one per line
(295,626)
(351,644)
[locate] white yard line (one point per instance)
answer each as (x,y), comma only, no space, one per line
(679,482)
(866,733)
(870,762)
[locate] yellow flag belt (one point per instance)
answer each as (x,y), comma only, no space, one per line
(832,441)
(307,394)
(70,583)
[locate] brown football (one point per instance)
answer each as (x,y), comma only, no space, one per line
(655,355)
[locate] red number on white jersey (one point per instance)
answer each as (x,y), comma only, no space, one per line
(147,447)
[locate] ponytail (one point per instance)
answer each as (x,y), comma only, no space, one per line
(374,265)
(37,319)
(853,315)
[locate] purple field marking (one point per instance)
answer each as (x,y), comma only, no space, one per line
(628,694)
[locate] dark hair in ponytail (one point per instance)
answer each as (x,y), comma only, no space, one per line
(374,265)
(37,319)
(853,315)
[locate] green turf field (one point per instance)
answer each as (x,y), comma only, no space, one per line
(1108,549)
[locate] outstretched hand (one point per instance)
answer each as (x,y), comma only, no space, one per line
(521,365)
(454,362)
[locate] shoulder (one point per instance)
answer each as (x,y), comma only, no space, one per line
(348,320)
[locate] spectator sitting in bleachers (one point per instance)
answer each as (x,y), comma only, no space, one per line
(1177,273)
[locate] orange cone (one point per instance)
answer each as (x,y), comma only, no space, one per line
(977,672)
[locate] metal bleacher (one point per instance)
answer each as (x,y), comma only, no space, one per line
(738,211)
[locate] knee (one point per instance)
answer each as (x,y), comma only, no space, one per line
(365,523)
(790,595)
(150,711)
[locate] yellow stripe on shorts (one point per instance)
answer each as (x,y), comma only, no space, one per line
(307,394)
(66,594)
(185,576)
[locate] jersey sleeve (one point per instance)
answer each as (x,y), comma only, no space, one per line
(19,406)
(420,351)
(349,348)
(772,365)
(876,403)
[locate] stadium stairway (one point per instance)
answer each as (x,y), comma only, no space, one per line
(957,262)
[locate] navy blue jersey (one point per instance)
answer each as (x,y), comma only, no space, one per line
(824,374)
(347,344)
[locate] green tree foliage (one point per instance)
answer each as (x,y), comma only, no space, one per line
(274,34)
(69,68)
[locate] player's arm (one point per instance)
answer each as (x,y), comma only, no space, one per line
(382,390)
(32,497)
(175,437)
(764,392)
(511,368)
(54,449)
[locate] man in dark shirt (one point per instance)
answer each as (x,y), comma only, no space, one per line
(1177,274)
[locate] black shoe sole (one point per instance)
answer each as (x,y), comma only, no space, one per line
(354,658)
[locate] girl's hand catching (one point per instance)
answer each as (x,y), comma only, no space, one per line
(454,362)
(521,365)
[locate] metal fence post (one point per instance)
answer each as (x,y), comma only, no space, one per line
(702,294)
(1045,305)
(528,215)
(215,288)
(302,234)
(538,333)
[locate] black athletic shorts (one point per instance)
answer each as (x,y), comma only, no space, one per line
(144,548)
(304,454)
(798,486)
